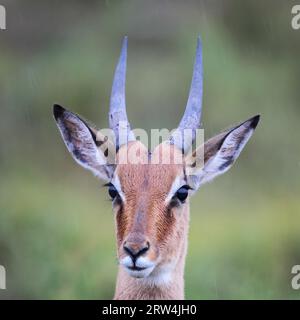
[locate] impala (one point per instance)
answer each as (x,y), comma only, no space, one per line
(151,199)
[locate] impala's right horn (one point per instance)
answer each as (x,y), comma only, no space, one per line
(117,113)
(192,115)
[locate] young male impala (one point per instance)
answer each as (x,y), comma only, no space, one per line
(151,199)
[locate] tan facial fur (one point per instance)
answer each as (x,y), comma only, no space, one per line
(146,213)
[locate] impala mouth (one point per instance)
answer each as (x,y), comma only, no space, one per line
(135,268)
(141,268)
(138,272)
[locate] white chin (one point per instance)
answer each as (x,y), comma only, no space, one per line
(139,273)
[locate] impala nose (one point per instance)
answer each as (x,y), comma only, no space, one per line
(135,250)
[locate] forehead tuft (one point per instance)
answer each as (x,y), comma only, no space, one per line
(166,153)
(132,153)
(152,176)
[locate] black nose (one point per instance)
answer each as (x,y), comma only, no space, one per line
(136,249)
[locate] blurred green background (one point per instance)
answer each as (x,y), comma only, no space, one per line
(56,223)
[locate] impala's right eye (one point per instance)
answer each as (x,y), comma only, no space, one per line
(182,193)
(112,191)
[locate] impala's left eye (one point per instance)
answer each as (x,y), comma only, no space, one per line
(182,193)
(112,191)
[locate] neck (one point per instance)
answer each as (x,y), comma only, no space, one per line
(160,285)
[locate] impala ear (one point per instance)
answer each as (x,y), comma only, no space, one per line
(85,143)
(220,152)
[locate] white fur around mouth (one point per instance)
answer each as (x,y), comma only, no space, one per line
(141,269)
(141,273)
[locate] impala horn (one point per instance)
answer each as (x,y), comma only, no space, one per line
(118,121)
(192,115)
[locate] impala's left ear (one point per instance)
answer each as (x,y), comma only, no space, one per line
(88,146)
(220,152)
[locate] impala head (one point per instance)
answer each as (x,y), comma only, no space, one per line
(150,197)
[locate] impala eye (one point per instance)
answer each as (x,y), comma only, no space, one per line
(112,191)
(182,193)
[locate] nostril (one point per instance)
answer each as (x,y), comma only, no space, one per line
(128,250)
(135,251)
(145,248)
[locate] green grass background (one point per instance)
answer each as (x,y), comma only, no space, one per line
(56,223)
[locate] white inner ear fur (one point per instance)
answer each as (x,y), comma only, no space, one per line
(85,153)
(225,157)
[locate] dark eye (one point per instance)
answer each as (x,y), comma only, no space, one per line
(112,191)
(182,193)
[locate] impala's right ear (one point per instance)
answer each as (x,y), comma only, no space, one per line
(219,152)
(85,143)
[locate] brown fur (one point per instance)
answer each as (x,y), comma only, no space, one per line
(146,217)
